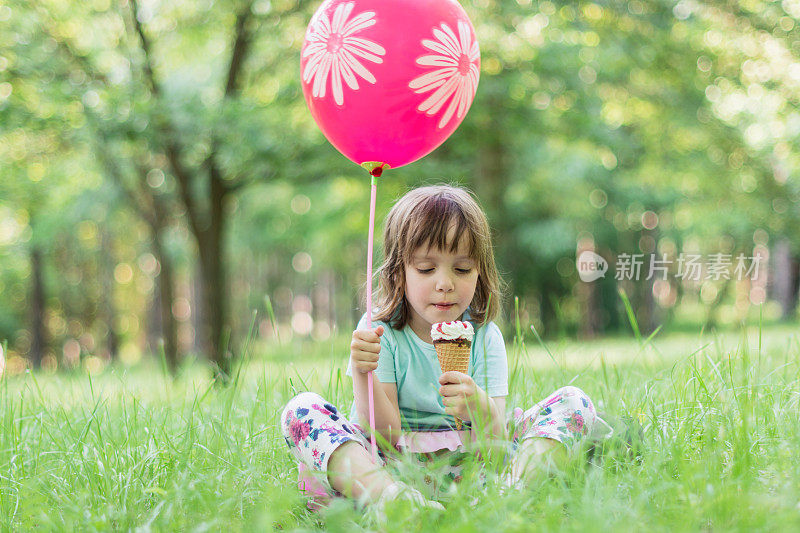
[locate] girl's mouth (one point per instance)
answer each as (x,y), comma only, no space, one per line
(443,307)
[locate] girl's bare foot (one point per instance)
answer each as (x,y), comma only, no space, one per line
(352,473)
(535,458)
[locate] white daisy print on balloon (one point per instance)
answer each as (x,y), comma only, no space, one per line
(335,50)
(456,76)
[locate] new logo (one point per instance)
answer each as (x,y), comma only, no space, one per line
(591,266)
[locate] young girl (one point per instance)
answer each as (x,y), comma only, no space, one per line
(438,267)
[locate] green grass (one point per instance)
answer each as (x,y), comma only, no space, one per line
(130,449)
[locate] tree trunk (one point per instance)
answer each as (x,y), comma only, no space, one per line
(491,182)
(490,185)
(208,231)
(200,345)
(713,307)
(214,305)
(166,296)
(332,296)
(547,315)
(210,247)
(588,302)
(154,322)
(790,310)
(38,340)
(110,314)
(786,278)
(647,315)
(588,296)
(648,310)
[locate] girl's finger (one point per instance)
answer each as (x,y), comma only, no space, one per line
(370,348)
(451,390)
(369,335)
(366,357)
(451,411)
(367,367)
(450,377)
(374,347)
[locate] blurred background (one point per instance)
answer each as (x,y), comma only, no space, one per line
(162,183)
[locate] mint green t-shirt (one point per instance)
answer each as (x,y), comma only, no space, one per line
(412,364)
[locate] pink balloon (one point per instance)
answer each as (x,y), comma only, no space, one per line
(388,81)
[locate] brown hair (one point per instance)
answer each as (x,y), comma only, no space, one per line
(422,218)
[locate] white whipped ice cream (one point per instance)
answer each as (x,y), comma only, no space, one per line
(450,331)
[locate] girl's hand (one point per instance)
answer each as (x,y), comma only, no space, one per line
(460,395)
(365,349)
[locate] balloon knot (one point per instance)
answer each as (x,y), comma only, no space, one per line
(377,171)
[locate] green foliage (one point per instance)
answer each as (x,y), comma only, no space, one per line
(132,448)
(589,117)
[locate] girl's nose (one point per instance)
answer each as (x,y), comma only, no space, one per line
(444,283)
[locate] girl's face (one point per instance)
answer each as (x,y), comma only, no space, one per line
(439,285)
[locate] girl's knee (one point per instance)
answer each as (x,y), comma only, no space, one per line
(581,415)
(570,391)
(303,400)
(575,398)
(295,408)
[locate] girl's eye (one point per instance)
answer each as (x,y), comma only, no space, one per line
(459,270)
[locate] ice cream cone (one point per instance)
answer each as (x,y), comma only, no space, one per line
(453,356)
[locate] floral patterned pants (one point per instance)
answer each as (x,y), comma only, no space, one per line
(313,428)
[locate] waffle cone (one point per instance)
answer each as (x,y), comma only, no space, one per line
(453,356)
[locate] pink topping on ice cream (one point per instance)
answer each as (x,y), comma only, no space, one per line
(450,331)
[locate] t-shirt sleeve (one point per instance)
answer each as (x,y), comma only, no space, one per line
(491,366)
(385,371)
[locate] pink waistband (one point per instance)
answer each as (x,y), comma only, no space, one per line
(432,441)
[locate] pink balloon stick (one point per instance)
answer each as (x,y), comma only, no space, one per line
(369,314)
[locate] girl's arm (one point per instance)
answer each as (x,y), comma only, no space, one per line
(387,412)
(364,355)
